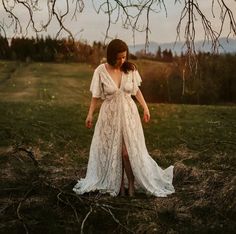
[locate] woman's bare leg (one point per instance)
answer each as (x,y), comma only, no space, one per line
(122,186)
(128,170)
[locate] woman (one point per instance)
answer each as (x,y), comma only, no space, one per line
(118,151)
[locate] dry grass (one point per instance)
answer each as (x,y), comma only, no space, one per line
(44,149)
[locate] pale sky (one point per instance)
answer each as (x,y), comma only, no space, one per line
(91,26)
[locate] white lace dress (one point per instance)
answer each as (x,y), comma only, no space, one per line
(118,121)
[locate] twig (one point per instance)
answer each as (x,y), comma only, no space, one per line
(116,220)
(74,210)
(12,189)
(131,205)
(225,142)
(3,208)
(18,210)
(29,153)
(87,215)
(69,204)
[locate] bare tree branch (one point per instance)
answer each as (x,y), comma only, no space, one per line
(133,14)
(189,15)
(33,8)
(86,217)
(225,11)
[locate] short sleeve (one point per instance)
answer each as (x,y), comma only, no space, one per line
(95,86)
(136,81)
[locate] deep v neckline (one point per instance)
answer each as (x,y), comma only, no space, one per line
(112,78)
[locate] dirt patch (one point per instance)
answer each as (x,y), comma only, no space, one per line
(37,197)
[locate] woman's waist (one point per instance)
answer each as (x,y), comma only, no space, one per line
(118,94)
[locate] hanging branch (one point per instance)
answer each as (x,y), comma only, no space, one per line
(191,7)
(225,11)
(189,15)
(14,22)
(134,15)
(2,29)
(32,9)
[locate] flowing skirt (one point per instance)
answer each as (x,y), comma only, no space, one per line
(119,122)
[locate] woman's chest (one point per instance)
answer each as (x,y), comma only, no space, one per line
(110,86)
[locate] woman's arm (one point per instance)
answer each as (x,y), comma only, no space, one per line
(146,113)
(89,119)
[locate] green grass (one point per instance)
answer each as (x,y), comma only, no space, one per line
(199,134)
(60,83)
(43,108)
(45,104)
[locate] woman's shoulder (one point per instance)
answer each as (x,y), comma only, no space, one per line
(100,67)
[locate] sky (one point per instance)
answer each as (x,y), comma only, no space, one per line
(91,26)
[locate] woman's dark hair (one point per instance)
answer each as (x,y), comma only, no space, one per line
(115,47)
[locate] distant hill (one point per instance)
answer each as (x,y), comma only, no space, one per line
(228,46)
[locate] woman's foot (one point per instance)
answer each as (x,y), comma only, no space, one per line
(122,191)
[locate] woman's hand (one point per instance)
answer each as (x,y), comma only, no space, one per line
(89,121)
(146,115)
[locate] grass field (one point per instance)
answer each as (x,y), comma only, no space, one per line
(43,107)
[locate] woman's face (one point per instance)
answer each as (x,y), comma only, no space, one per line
(120,58)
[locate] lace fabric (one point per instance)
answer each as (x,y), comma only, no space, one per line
(119,120)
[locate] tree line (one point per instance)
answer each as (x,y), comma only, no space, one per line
(47,49)
(213,81)
(165,55)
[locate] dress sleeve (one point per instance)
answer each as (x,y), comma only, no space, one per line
(136,81)
(95,86)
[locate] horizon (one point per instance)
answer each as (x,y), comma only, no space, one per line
(178,47)
(137,44)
